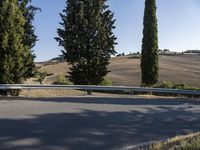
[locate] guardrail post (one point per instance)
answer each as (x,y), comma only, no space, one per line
(131,93)
(85,92)
(29,92)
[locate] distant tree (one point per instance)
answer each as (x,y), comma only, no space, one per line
(30,38)
(118,55)
(12,48)
(88,40)
(149,60)
(193,51)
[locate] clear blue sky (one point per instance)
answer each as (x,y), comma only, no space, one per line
(178,22)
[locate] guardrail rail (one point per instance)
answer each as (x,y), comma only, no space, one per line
(85,88)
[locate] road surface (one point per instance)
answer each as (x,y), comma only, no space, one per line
(92,123)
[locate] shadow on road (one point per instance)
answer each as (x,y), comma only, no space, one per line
(114,100)
(96,130)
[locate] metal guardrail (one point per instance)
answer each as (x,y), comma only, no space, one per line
(97,88)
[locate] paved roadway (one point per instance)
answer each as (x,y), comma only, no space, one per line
(92,123)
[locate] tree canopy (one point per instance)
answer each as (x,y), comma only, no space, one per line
(15,50)
(88,40)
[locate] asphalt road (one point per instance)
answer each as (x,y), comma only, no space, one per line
(93,123)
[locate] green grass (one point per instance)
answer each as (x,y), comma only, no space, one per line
(106,82)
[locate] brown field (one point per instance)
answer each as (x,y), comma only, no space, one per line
(181,69)
(51,93)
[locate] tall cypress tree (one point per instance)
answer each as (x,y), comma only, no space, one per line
(11,44)
(88,40)
(30,37)
(149,60)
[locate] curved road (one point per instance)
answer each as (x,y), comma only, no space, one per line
(91,123)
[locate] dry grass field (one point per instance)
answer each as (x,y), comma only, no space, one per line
(181,69)
(51,93)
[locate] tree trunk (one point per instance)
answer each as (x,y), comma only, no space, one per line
(89,92)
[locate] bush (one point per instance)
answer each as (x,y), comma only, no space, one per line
(41,76)
(179,86)
(165,84)
(62,80)
(170,85)
(193,88)
(106,82)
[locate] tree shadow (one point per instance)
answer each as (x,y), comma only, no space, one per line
(113,100)
(96,130)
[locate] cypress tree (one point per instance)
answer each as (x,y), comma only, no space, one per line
(149,60)
(11,44)
(88,40)
(30,38)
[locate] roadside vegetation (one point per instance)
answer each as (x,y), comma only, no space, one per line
(189,142)
(62,80)
(170,85)
(106,82)
(41,76)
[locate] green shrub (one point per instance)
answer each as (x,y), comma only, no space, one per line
(179,86)
(193,88)
(165,84)
(170,85)
(106,82)
(62,80)
(41,76)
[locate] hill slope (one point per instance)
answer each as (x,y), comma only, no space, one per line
(126,70)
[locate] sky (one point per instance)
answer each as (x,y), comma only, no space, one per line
(178,25)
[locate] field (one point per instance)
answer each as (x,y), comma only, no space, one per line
(180,69)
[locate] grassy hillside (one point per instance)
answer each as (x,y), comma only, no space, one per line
(126,70)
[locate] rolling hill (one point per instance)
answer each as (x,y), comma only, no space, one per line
(125,70)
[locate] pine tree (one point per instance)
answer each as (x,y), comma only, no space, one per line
(11,44)
(30,37)
(88,40)
(149,60)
